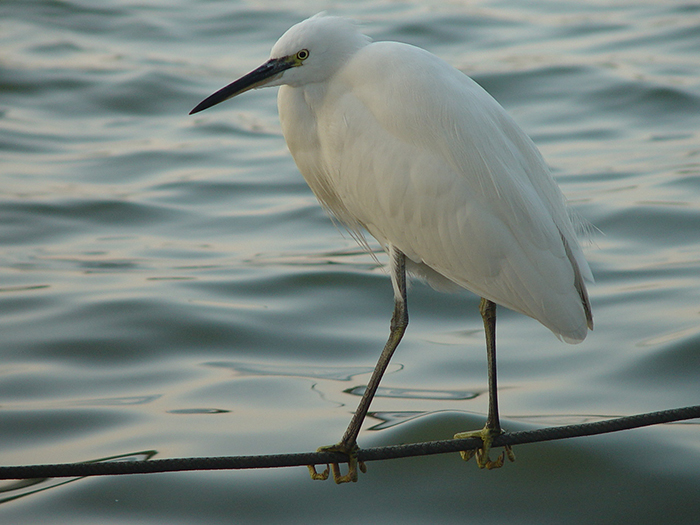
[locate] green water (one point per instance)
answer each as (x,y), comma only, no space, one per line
(169,283)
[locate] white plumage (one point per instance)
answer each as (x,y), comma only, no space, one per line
(396,142)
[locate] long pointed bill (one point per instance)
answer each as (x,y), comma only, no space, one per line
(268,72)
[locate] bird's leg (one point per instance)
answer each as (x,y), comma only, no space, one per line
(493,424)
(399,321)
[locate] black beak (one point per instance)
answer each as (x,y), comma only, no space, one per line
(256,78)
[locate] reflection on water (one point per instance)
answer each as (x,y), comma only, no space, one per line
(30,487)
(415,393)
(169,283)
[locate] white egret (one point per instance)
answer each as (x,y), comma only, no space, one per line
(396,142)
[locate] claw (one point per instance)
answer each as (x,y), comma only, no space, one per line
(353,465)
(483,460)
(318,476)
(467,454)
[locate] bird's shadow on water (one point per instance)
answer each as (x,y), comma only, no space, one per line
(586,469)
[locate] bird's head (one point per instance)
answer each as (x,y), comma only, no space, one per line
(311,51)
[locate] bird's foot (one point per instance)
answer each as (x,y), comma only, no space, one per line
(487,435)
(353,464)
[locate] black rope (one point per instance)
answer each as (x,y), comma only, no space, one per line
(111,468)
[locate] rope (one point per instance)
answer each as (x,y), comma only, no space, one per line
(112,468)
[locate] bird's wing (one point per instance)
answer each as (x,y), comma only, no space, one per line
(427,161)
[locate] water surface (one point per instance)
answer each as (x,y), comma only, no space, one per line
(168,283)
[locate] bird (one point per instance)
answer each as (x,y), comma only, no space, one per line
(397,143)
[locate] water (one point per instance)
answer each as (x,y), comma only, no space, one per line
(168,283)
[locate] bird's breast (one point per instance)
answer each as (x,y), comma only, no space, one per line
(299,109)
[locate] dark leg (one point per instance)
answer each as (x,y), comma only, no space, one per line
(493,424)
(488,314)
(399,321)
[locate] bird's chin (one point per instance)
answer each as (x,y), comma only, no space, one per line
(275,80)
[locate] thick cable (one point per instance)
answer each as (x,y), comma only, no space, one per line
(112,468)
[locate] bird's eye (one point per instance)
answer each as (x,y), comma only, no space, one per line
(303,54)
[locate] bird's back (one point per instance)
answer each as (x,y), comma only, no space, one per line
(404,145)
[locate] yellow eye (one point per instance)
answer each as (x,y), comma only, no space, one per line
(303,54)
